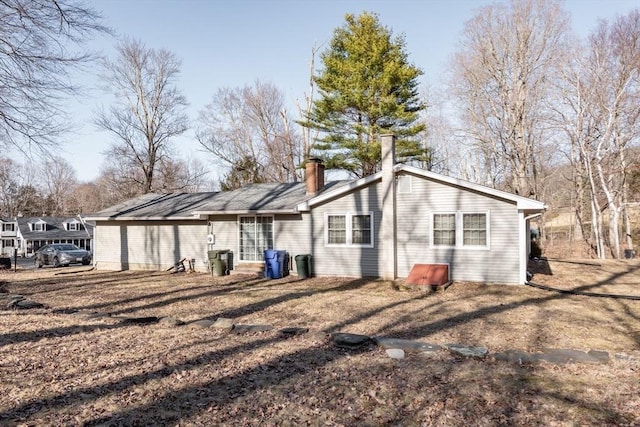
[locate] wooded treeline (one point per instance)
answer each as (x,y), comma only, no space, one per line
(529,108)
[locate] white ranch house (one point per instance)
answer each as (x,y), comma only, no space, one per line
(377,226)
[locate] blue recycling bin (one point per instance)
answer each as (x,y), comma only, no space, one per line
(276,264)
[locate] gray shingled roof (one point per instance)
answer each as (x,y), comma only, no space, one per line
(55,229)
(251,198)
(171,205)
(260,198)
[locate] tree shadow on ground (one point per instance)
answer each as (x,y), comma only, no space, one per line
(504,391)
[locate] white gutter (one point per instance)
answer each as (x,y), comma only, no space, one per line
(527,218)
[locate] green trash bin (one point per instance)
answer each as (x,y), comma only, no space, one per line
(303,265)
(218,262)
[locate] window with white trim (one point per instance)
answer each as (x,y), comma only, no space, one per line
(460,229)
(337,229)
(474,229)
(8,226)
(349,229)
(444,229)
(73,226)
(38,226)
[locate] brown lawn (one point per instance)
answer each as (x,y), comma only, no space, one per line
(60,368)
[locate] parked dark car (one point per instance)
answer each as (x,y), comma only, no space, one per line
(58,254)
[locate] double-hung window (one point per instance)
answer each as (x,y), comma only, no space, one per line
(474,229)
(349,229)
(444,229)
(461,229)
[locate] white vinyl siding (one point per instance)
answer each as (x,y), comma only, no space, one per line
(495,262)
(149,245)
(355,260)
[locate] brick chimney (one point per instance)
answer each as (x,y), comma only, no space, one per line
(314,176)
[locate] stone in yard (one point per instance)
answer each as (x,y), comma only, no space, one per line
(406,345)
(561,356)
(23,304)
(468,351)
(223,323)
(395,353)
(345,340)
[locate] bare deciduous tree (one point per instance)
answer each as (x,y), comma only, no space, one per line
(147,112)
(249,127)
(501,77)
(86,198)
(37,42)
(58,178)
(600,114)
(8,188)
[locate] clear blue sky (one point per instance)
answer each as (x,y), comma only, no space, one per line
(231,43)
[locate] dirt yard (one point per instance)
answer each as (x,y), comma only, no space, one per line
(106,349)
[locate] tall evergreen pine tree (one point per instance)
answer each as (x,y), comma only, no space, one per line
(366,88)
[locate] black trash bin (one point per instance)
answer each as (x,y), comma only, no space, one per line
(303,265)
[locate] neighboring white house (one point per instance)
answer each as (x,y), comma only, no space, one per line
(34,232)
(8,236)
(27,234)
(378,226)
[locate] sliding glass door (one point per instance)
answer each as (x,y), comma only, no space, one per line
(256,235)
